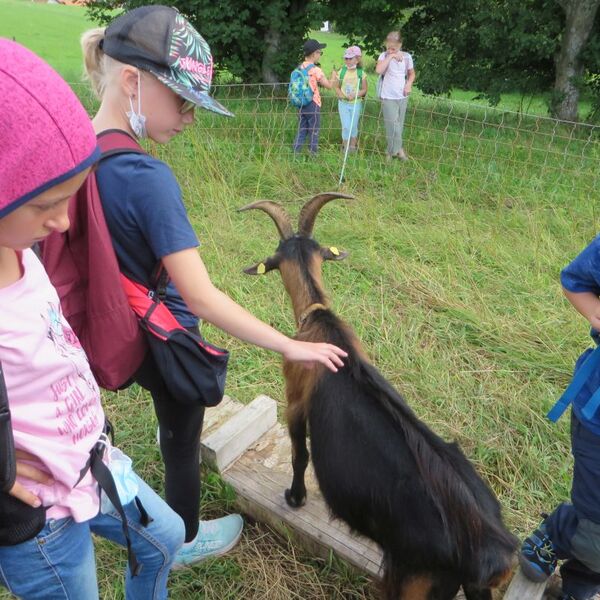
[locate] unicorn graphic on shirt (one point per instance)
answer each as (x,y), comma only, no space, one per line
(67,344)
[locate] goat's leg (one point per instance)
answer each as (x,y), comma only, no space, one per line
(399,584)
(296,495)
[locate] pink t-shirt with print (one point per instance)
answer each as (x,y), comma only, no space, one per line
(315,74)
(53,398)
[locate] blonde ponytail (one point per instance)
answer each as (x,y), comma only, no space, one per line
(99,67)
(93,59)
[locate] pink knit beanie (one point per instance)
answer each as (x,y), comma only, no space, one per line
(46,137)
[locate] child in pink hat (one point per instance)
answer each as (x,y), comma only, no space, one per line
(351,88)
(49,503)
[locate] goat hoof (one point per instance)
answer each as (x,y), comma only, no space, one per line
(293,501)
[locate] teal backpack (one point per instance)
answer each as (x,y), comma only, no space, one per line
(299,91)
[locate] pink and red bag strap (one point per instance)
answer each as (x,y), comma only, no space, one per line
(117,141)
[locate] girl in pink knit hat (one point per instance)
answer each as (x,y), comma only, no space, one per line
(49,498)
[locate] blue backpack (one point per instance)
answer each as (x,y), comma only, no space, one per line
(299,91)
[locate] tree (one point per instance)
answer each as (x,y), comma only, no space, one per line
(580,16)
(489,46)
(254,40)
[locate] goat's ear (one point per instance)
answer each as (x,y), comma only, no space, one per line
(332,253)
(263,267)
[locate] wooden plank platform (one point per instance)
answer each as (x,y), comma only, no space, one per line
(245,427)
(263,472)
(521,588)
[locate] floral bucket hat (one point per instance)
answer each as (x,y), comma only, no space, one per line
(158,39)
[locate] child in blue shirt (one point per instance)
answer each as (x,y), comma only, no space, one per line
(151,69)
(572,532)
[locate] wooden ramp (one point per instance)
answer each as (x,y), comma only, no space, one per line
(252,452)
(521,588)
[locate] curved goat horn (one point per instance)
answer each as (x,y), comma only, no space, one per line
(310,210)
(277,213)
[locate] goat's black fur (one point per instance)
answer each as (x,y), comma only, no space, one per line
(380,468)
(393,480)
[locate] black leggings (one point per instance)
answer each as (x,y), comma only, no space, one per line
(180,429)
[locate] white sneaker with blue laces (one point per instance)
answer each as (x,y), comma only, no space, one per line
(214,538)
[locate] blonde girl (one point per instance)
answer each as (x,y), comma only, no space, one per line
(397,73)
(351,88)
(151,69)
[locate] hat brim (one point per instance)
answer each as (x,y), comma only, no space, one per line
(200,99)
(313,47)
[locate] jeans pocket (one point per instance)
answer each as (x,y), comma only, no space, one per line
(54,528)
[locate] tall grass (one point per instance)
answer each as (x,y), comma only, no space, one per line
(452,281)
(451,284)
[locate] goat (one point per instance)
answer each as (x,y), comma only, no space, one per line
(380,469)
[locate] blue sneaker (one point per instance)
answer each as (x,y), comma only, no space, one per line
(214,538)
(538,557)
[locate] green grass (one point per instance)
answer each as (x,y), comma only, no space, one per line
(50,30)
(451,284)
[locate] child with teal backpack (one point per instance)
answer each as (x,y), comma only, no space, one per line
(304,94)
(351,88)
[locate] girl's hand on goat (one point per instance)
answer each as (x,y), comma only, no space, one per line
(326,354)
(24,469)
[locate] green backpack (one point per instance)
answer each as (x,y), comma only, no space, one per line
(360,76)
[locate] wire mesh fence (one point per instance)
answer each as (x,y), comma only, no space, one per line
(485,146)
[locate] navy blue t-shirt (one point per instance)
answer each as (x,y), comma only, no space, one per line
(146,218)
(583,275)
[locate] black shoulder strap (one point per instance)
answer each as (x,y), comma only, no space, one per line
(8,463)
(159,280)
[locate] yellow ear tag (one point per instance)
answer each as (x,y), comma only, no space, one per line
(261,269)
(334,251)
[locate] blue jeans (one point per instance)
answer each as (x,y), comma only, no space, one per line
(59,563)
(349,125)
(575,528)
(309,118)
